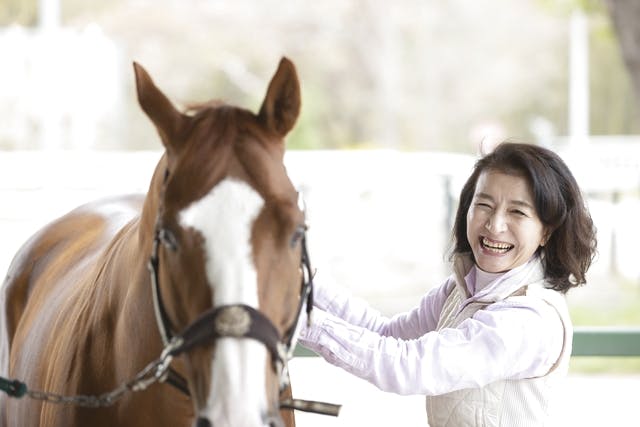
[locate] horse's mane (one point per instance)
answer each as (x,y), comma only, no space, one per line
(193,108)
(212,118)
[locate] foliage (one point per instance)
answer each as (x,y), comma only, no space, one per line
(613,108)
(410,75)
(566,7)
(18,12)
(602,365)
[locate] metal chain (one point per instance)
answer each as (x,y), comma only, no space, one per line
(153,372)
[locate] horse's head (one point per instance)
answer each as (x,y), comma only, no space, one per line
(228,238)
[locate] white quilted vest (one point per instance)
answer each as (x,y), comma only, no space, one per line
(508,403)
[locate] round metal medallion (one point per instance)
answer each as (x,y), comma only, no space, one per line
(232,321)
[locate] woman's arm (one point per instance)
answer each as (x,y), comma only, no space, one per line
(504,341)
(340,303)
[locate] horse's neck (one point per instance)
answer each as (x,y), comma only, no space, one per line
(136,328)
(111,333)
(117,308)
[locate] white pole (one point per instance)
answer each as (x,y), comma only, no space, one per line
(578,79)
(49,14)
(51,117)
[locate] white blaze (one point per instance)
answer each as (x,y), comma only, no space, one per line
(225,218)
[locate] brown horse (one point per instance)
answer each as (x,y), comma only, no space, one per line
(84,314)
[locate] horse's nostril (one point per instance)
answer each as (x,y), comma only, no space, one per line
(275,421)
(202,422)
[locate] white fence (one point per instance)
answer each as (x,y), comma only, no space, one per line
(379,220)
(59,88)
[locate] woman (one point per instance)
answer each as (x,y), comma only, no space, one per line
(487,346)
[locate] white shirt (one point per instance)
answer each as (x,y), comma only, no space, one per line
(405,355)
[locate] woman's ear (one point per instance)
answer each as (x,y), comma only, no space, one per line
(546,235)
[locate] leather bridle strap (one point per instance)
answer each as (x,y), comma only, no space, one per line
(162,319)
(306,295)
(178,381)
(234,320)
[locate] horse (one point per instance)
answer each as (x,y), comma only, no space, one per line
(205,274)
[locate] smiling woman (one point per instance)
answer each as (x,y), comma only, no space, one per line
(503,227)
(490,344)
(540,187)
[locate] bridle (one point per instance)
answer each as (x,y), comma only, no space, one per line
(235,321)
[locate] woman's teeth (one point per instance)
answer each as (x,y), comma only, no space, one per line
(496,247)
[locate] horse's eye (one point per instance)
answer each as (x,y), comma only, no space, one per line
(168,239)
(297,234)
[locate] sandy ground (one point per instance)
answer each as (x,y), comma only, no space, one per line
(591,400)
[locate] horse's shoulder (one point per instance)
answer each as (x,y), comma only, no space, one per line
(110,214)
(16,286)
(85,229)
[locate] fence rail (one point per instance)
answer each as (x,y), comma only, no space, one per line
(587,341)
(606,341)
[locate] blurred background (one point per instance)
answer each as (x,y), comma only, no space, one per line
(412,75)
(399,100)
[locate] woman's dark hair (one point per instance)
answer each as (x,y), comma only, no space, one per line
(571,245)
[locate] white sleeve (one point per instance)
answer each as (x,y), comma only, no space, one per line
(339,302)
(500,342)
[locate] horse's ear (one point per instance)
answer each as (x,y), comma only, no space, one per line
(281,105)
(158,108)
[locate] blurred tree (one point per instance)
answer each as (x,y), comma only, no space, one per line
(21,12)
(626,20)
(410,74)
(614,108)
(614,102)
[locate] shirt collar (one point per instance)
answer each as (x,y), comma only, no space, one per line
(501,286)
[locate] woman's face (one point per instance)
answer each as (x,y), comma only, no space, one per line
(503,227)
